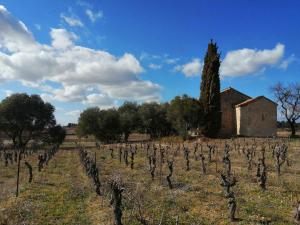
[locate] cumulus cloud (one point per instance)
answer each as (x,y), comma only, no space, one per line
(62,38)
(84,75)
(71,21)
(190,69)
(69,93)
(14,35)
(94,16)
(247,61)
(100,99)
(136,90)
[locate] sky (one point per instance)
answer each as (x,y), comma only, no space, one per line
(78,54)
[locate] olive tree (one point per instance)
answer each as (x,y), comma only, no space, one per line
(184,113)
(154,119)
(104,125)
(24,118)
(129,118)
(55,135)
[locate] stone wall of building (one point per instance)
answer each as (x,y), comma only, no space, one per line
(229,98)
(257,119)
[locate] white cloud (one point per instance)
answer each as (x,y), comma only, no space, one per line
(69,93)
(62,38)
(136,90)
(190,69)
(71,21)
(247,61)
(83,74)
(102,100)
(14,35)
(285,63)
(93,16)
(155,66)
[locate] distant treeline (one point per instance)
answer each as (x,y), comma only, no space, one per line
(177,117)
(285,124)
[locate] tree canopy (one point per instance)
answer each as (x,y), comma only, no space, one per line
(24,117)
(87,123)
(103,124)
(154,119)
(55,135)
(184,113)
(129,118)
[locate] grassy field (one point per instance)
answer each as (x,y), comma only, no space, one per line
(60,194)
(63,194)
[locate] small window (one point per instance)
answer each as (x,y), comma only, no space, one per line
(262,117)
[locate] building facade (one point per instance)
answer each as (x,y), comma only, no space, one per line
(246,116)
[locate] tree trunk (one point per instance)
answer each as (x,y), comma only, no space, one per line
(126,136)
(293,128)
(18,173)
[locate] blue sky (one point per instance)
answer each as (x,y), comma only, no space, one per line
(78,54)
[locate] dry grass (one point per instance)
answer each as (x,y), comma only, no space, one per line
(62,193)
(58,195)
(198,198)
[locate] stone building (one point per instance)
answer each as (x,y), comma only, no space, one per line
(246,116)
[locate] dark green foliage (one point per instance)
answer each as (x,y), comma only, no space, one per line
(109,126)
(103,124)
(184,113)
(129,118)
(24,117)
(154,119)
(179,116)
(210,91)
(55,135)
(87,123)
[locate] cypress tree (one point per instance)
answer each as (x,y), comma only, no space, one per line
(210,91)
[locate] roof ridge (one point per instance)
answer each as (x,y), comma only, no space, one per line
(252,100)
(231,88)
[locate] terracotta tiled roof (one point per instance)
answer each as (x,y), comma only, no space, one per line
(252,100)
